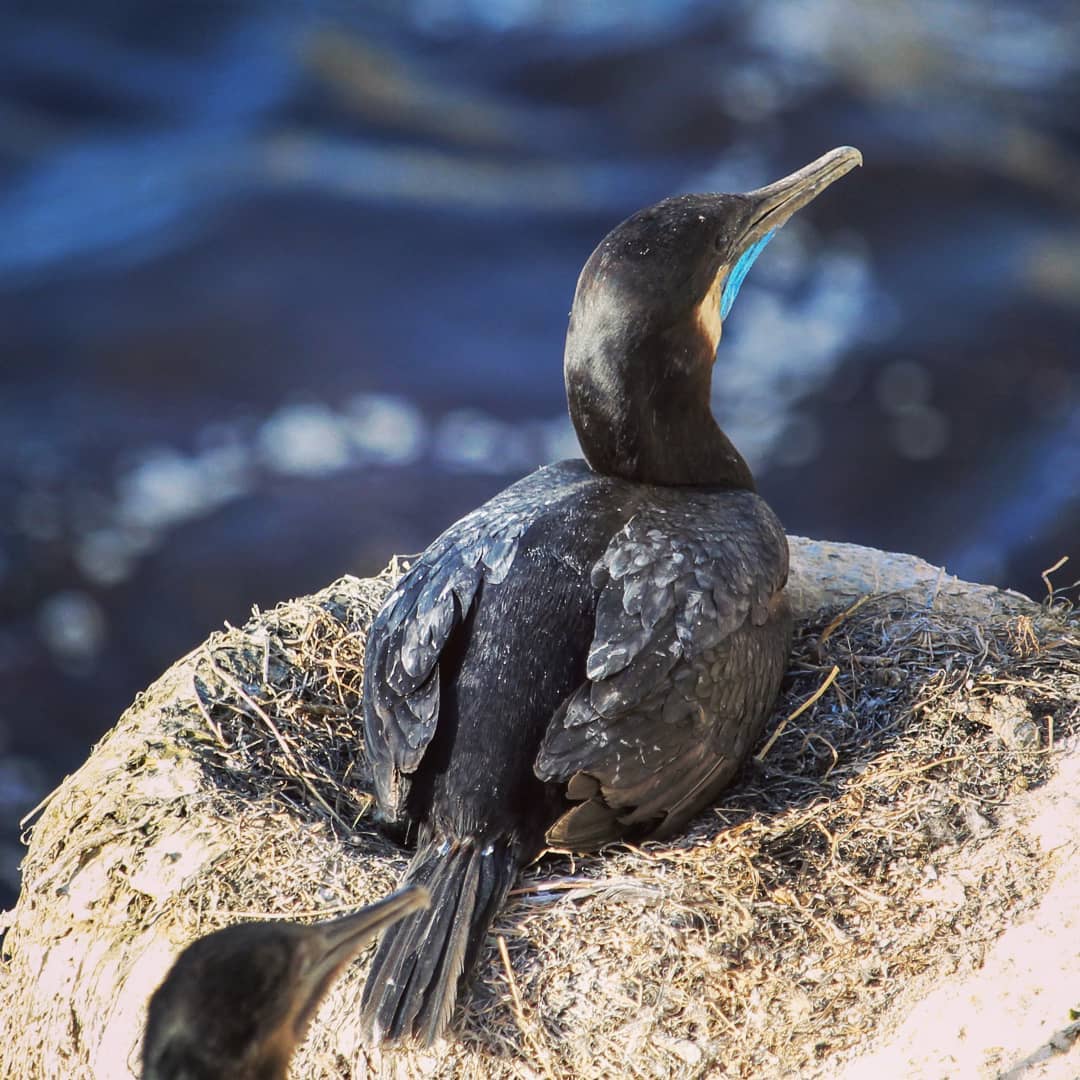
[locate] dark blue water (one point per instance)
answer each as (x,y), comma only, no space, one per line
(283,290)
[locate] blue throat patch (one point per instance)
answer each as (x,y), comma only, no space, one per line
(739,272)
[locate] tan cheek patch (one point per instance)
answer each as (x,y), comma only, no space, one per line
(708,313)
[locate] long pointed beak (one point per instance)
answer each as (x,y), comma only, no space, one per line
(771,206)
(344,937)
(776,202)
(335,943)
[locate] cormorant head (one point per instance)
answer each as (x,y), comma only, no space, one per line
(647,319)
(237,1002)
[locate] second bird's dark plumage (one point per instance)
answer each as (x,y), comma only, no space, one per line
(590,655)
(236,1003)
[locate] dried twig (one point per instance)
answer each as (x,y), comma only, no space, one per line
(829,679)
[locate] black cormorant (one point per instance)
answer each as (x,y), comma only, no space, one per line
(236,1003)
(591,654)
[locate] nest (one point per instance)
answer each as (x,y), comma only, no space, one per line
(871,843)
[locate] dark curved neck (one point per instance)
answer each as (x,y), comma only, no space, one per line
(643,413)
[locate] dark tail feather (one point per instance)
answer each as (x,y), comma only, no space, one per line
(420,962)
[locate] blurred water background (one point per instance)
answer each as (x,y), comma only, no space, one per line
(283,290)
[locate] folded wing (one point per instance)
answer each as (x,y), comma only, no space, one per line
(411,632)
(690,643)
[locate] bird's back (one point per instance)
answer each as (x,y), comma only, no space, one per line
(519,653)
(581,659)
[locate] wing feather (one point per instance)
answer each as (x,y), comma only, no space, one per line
(688,649)
(410,633)
(418,620)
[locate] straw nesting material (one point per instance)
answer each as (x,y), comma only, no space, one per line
(872,846)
